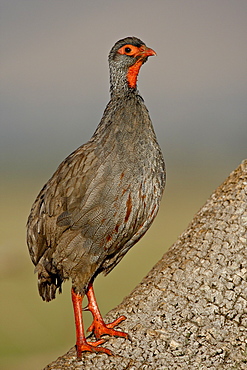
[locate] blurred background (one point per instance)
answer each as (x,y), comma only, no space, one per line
(54,87)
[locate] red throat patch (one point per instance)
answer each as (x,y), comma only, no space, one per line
(133,73)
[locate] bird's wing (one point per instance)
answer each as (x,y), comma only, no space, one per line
(55,203)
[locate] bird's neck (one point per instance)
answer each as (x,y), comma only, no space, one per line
(122,82)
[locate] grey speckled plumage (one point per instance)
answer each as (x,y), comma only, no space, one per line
(103,197)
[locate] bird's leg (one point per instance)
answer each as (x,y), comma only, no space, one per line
(98,327)
(81,343)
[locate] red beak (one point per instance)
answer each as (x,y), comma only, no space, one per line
(149,52)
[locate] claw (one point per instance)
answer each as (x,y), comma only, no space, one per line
(91,347)
(99,328)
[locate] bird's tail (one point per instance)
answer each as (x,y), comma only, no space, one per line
(48,283)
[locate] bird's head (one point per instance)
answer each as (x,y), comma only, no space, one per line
(125,60)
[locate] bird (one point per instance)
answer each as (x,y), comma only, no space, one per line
(101,200)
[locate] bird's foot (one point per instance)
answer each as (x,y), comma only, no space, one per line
(91,347)
(99,328)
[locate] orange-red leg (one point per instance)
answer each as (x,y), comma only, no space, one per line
(98,327)
(81,343)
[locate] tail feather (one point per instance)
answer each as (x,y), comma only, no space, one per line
(48,283)
(47,289)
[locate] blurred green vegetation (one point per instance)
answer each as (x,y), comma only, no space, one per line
(34,333)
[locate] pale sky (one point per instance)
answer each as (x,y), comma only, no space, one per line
(55,81)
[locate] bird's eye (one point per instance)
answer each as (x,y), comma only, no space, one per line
(127,50)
